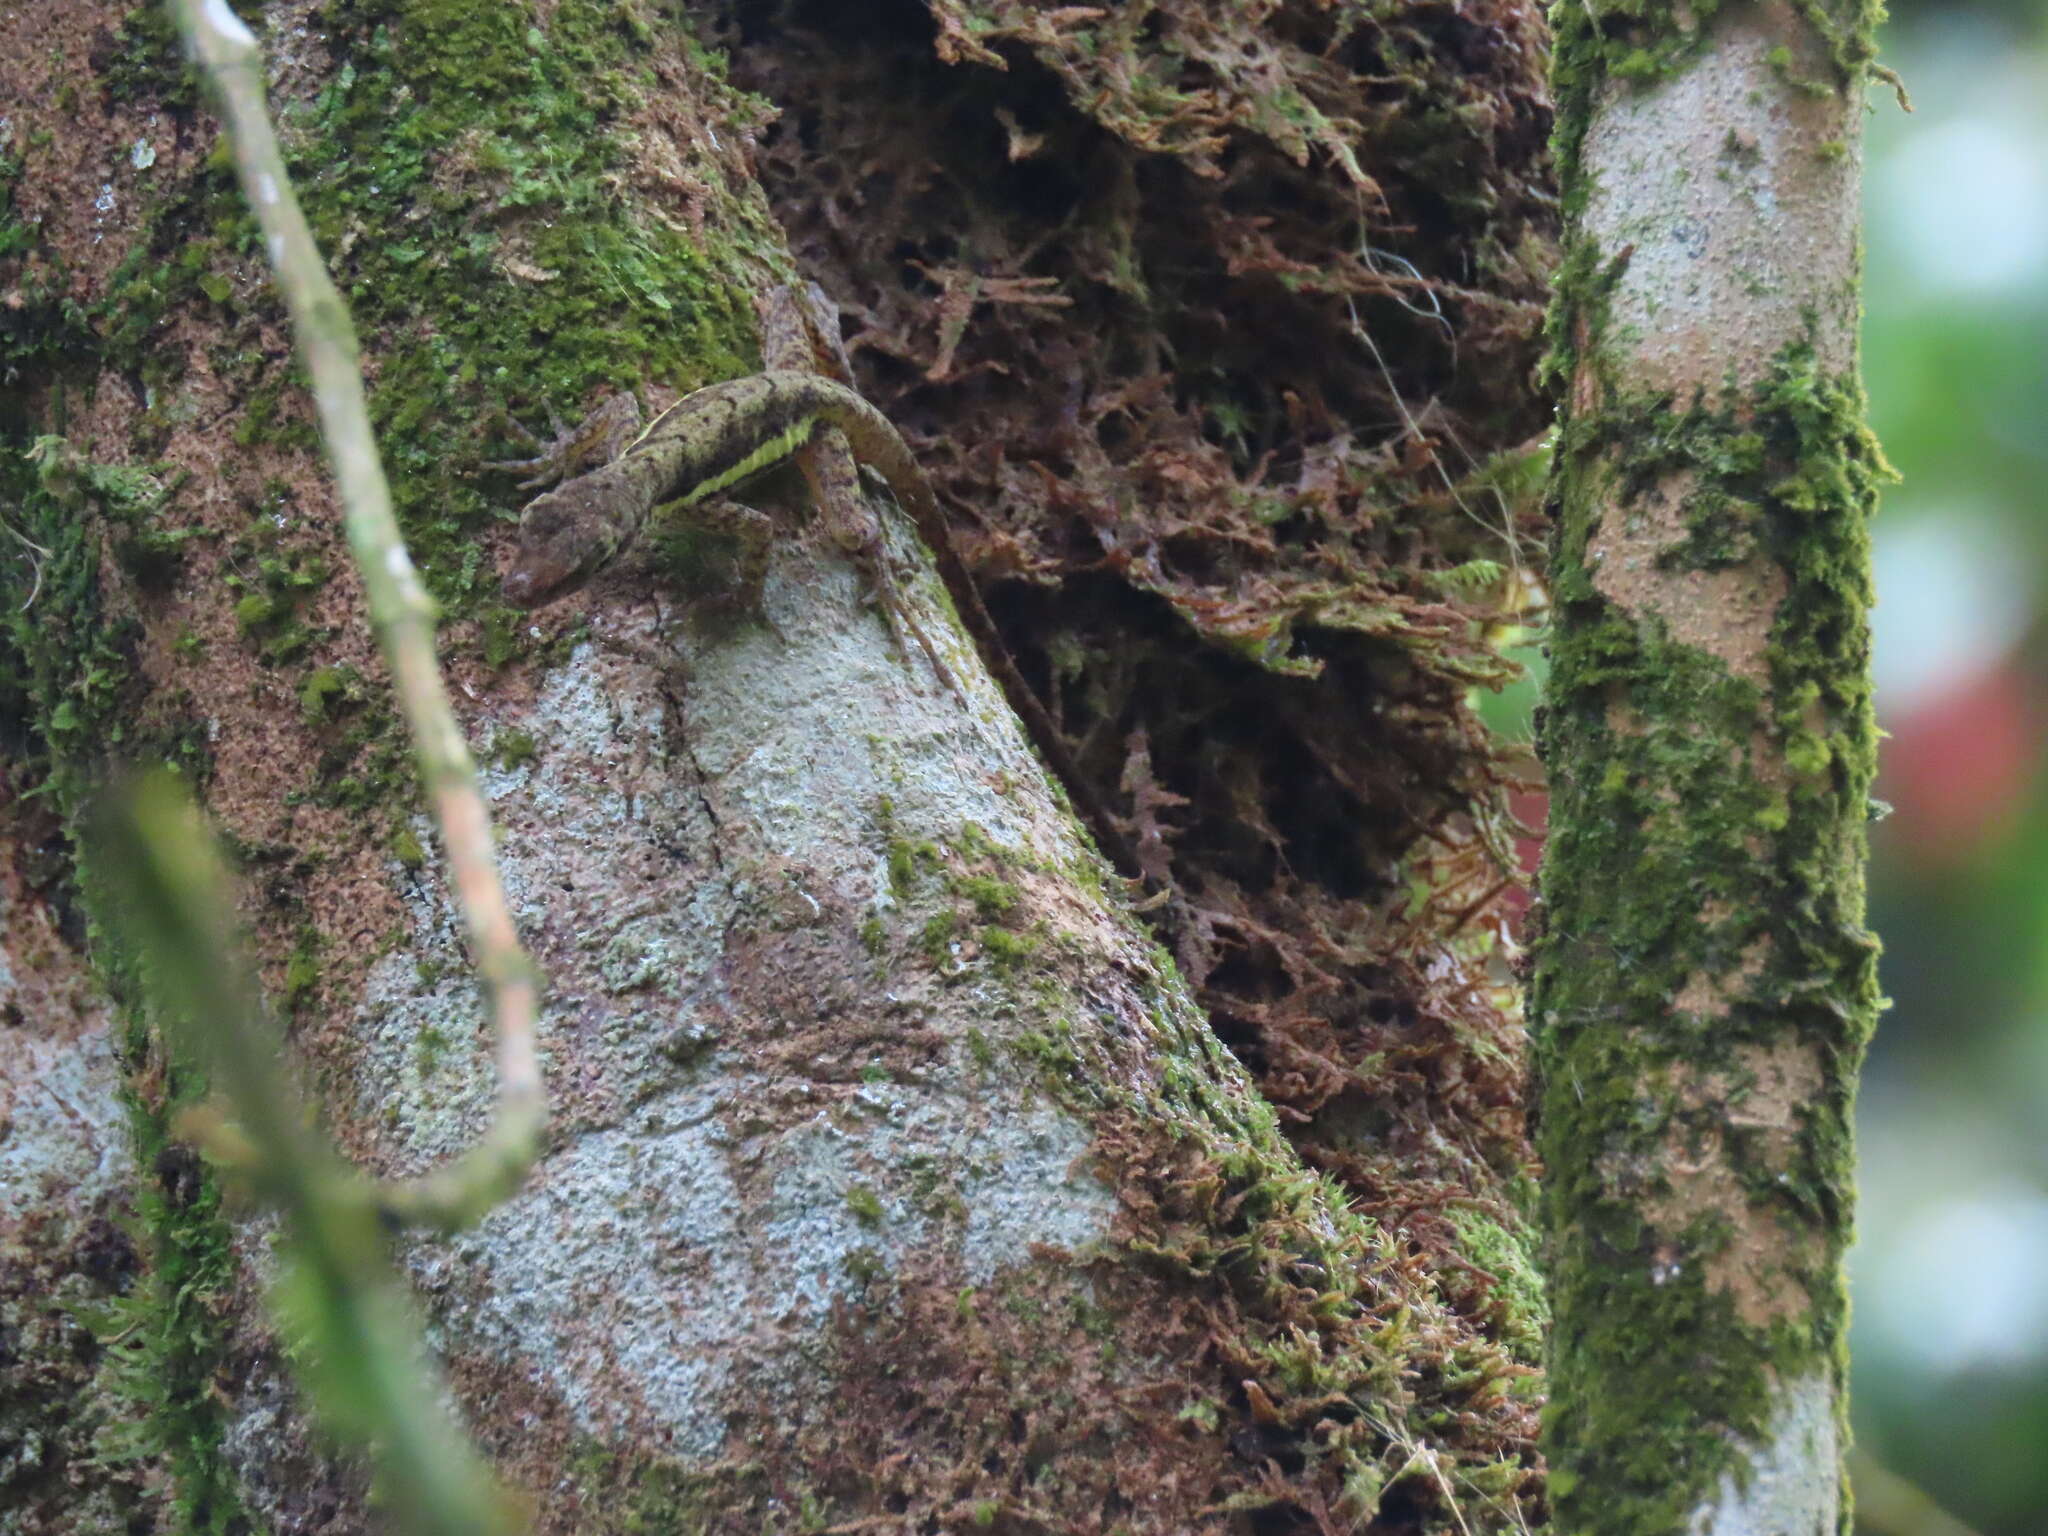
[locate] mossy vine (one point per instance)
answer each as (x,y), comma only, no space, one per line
(1703,887)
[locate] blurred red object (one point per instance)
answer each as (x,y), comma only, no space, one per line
(1531,807)
(1956,768)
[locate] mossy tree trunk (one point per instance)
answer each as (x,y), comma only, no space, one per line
(1705,985)
(900,1176)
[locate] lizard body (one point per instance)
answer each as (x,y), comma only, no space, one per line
(705,443)
(801,406)
(719,436)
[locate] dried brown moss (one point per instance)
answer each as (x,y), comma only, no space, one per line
(1206,319)
(1198,363)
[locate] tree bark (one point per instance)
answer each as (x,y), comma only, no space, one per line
(1705,985)
(899,1178)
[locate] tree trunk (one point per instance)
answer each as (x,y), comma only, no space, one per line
(899,1176)
(1705,985)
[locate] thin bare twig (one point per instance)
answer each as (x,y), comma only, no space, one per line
(403,615)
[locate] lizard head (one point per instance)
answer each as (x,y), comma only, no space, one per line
(563,538)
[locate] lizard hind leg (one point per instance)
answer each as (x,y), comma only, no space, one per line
(852,524)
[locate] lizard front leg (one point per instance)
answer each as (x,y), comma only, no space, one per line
(597,439)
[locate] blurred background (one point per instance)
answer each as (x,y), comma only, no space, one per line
(1950,1275)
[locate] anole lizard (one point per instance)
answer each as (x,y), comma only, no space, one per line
(714,439)
(705,443)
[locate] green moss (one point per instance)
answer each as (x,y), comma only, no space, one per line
(1051,1050)
(186,228)
(992,898)
(904,858)
(1508,1253)
(502,628)
(366,764)
(902,867)
(257,611)
(1785,67)
(275,573)
(301,971)
(65,677)
(166,1341)
(430,1049)
(973,843)
(1306,1271)
(865,1204)
(488,125)
(937,936)
(514,748)
(144,61)
(503,130)
(559,288)
(328,691)
(151,554)
(874,936)
(1646,41)
(1006,948)
(1088,873)
(1277,1228)
(273,407)
(1666,768)
(44,336)
(405,847)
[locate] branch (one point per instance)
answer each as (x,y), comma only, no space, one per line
(403,615)
(352,1337)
